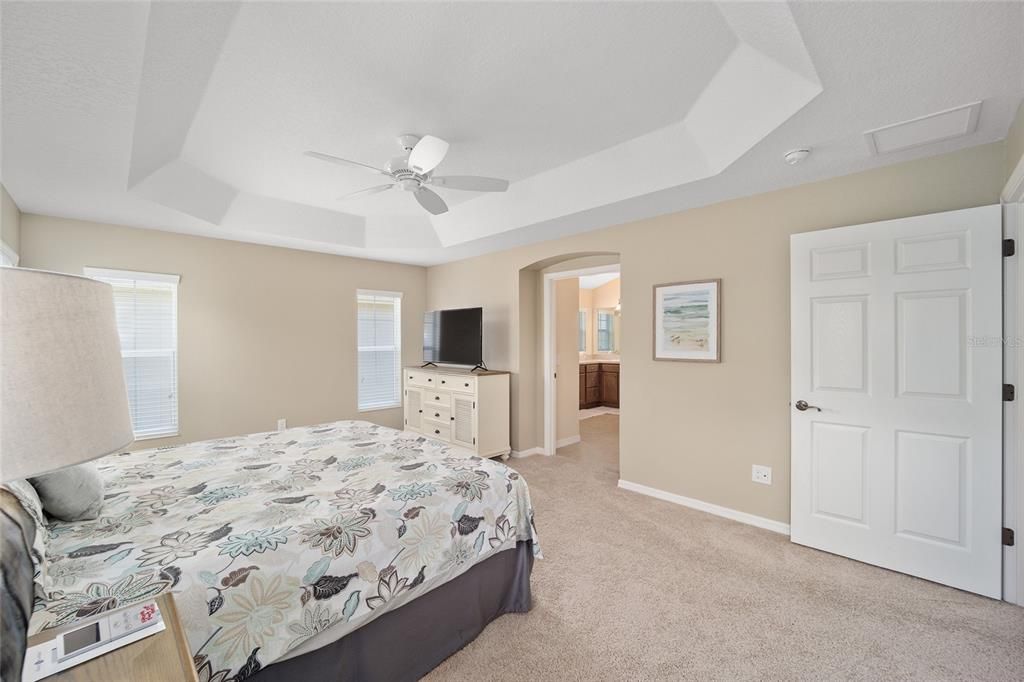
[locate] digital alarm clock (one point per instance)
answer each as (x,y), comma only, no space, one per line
(93,638)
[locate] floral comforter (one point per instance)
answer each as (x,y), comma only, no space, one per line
(270,539)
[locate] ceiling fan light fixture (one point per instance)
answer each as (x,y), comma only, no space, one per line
(427,154)
(414,170)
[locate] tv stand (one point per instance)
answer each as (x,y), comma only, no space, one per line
(459,407)
(480,366)
(428,364)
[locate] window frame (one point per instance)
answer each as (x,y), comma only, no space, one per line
(396,296)
(103,274)
(581,334)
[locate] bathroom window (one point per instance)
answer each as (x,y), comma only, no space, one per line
(605,332)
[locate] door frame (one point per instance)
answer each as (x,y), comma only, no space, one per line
(1012,199)
(549,444)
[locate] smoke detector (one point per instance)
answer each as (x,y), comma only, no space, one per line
(795,156)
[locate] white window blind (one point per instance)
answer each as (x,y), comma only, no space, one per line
(379,322)
(146,306)
(604,332)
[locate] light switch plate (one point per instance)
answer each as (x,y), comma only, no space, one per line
(282,424)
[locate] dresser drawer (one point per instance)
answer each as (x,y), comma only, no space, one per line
(437,430)
(434,399)
(436,413)
(421,379)
(461,384)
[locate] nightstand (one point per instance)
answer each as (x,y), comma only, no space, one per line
(163,657)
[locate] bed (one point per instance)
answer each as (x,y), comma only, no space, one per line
(345,547)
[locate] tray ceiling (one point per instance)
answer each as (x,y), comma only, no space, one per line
(193,117)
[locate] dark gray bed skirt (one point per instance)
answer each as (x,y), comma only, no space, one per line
(409,642)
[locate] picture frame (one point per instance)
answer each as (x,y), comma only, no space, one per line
(688,321)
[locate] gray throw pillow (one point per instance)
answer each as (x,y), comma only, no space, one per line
(71,494)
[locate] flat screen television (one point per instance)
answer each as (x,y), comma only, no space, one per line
(454,337)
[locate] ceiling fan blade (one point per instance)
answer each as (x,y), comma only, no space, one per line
(427,154)
(431,201)
(344,162)
(366,192)
(472,183)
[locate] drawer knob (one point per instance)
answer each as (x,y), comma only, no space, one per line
(437,397)
(429,379)
(421,411)
(437,431)
(437,414)
(451,418)
(443,381)
(466,385)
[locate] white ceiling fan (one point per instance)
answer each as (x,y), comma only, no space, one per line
(413,171)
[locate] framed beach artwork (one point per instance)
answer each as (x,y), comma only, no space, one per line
(687,321)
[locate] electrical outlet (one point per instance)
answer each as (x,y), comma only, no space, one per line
(282,424)
(761,474)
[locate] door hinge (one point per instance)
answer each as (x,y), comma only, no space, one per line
(1009,248)
(1009,393)
(474,443)
(1008,538)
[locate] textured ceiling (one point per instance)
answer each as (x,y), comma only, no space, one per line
(192,116)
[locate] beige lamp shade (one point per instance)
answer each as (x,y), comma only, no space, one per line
(63,399)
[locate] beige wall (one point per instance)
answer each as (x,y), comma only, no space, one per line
(10,221)
(1015,142)
(528,380)
(264,332)
(567,368)
(607,295)
(587,305)
(695,429)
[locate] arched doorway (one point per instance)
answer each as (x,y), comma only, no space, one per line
(556,350)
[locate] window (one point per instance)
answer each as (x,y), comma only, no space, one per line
(379,322)
(7,255)
(582,341)
(605,332)
(146,306)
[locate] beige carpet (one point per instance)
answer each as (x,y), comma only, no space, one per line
(633,588)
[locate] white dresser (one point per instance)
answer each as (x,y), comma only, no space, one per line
(470,410)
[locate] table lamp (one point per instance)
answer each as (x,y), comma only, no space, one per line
(63,401)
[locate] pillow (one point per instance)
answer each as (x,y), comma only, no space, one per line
(29,501)
(20,535)
(71,494)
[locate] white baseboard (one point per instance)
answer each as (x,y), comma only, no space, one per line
(527,453)
(700,505)
(571,440)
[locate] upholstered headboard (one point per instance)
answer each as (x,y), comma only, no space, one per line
(17,591)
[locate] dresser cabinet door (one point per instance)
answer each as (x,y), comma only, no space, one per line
(414,409)
(463,419)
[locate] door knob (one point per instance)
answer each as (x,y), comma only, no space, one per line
(803,406)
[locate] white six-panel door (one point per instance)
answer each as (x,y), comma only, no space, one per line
(895,339)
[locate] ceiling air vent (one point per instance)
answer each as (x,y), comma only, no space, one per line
(943,125)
